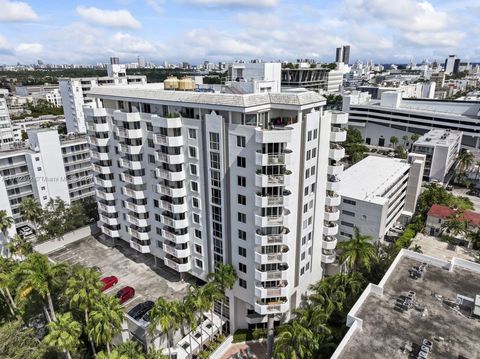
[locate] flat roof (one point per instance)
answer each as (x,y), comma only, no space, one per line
(439,137)
(390,332)
(368,179)
(222,99)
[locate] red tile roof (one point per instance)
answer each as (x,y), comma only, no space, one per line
(439,211)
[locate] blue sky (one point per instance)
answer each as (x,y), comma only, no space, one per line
(84,31)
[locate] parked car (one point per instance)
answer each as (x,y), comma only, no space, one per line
(125,294)
(141,309)
(109,282)
(449,187)
(25,231)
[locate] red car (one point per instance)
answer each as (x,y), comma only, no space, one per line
(125,294)
(109,282)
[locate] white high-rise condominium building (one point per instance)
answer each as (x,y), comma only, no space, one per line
(200,178)
(6,132)
(74,92)
(44,168)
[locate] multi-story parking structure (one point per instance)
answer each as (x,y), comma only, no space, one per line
(200,178)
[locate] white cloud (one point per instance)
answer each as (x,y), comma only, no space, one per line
(29,48)
(241,3)
(111,18)
(5,47)
(155,6)
(16,11)
(126,43)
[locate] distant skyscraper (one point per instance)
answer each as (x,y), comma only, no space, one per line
(450,63)
(343,54)
(339,55)
(114,60)
(141,61)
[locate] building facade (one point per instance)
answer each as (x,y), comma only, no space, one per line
(376,192)
(6,132)
(74,92)
(199,179)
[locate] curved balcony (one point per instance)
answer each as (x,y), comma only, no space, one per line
(132,165)
(142,236)
(279,291)
(108,220)
(338,135)
(129,133)
(339,117)
(105,170)
(109,232)
(333,200)
(179,253)
(329,242)
(275,135)
(170,159)
(171,141)
(268,201)
(333,183)
(104,195)
(270,159)
(268,221)
(136,194)
(101,142)
(174,223)
(135,180)
(103,183)
(176,238)
(98,127)
(336,169)
(332,214)
(166,122)
(262,240)
(139,248)
(271,275)
(138,208)
(171,176)
(172,192)
(106,208)
(336,152)
(140,222)
(126,116)
(101,156)
(174,208)
(328,256)
(271,257)
(129,149)
(179,267)
(330,229)
(263,180)
(273,307)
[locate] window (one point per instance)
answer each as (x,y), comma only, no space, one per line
(196,218)
(214,141)
(241,162)
(194,186)
(315,133)
(314,152)
(242,267)
(193,169)
(242,217)
(305,192)
(151,158)
(192,152)
(242,283)
(241,199)
(302,257)
(195,202)
(348,201)
(312,188)
(192,133)
(242,252)
(305,208)
(215,160)
(198,249)
(242,235)
(346,224)
(308,154)
(241,181)
(198,233)
(241,141)
(307,173)
(149,124)
(312,170)
(309,135)
(199,263)
(348,213)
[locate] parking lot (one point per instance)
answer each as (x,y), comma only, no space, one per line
(131,268)
(474,199)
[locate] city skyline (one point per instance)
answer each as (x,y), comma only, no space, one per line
(226,30)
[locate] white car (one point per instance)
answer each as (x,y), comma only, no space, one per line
(26,231)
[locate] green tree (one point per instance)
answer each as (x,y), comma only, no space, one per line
(7,282)
(165,315)
(465,161)
(212,294)
(105,320)
(224,278)
(394,140)
(83,289)
(405,140)
(113,355)
(357,252)
(5,223)
(38,274)
(31,210)
(188,311)
(130,349)
(18,342)
(416,248)
(455,224)
(19,246)
(64,334)
(294,341)
(75,217)
(474,237)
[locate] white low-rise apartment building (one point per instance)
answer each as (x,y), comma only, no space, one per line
(74,92)
(197,179)
(45,167)
(376,191)
(47,92)
(378,120)
(441,148)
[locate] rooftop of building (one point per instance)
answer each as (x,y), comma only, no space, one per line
(439,137)
(148,93)
(369,179)
(382,328)
(443,212)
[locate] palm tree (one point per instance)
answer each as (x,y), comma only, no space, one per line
(224,277)
(294,342)
(188,310)
(165,315)
(5,223)
(474,237)
(200,301)
(115,355)
(328,296)
(213,294)
(465,160)
(129,349)
(357,252)
(394,140)
(64,334)
(31,210)
(37,274)
(455,224)
(315,318)
(416,248)
(105,320)
(83,289)
(19,245)
(405,140)
(5,282)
